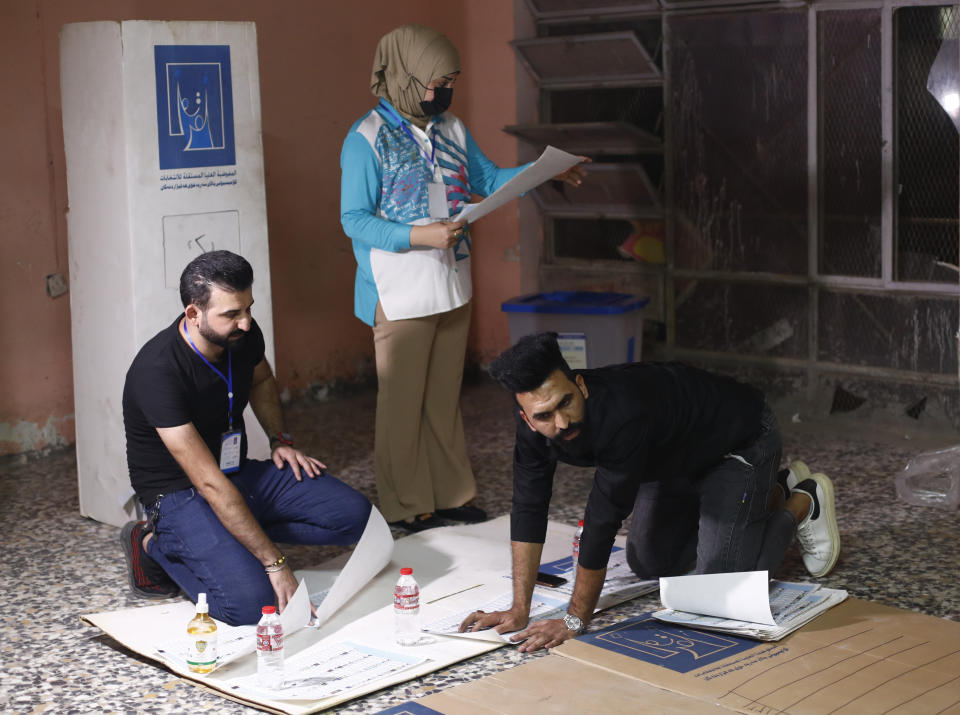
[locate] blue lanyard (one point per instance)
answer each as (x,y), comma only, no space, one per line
(403,125)
(228,379)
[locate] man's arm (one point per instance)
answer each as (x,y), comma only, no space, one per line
(193,456)
(265,402)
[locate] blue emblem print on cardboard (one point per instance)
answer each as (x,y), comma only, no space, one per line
(194,106)
(679,649)
(409,708)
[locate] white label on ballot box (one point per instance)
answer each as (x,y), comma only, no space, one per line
(573,347)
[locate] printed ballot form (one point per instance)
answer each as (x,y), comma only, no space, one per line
(553,161)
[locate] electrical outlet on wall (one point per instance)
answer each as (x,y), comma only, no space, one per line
(56,285)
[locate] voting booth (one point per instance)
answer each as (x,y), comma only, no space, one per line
(161,125)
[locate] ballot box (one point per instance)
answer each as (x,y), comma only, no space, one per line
(593,328)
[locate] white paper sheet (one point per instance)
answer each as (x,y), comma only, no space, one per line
(540,608)
(742,596)
(323,671)
(370,555)
(553,161)
(296,614)
(232,642)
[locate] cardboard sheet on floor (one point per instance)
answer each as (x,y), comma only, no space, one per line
(454,565)
(857,657)
(551,685)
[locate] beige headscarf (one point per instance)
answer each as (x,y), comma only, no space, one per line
(407,52)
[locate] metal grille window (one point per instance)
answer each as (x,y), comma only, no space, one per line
(851,137)
(739,102)
(926,147)
(799,166)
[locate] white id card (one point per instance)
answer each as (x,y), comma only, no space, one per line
(437,193)
(230,451)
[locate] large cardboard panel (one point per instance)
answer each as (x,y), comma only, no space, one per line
(553,684)
(859,657)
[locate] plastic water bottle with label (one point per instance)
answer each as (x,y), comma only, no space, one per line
(406,609)
(932,479)
(576,551)
(270,649)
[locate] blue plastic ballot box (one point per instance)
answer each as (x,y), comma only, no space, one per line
(594,329)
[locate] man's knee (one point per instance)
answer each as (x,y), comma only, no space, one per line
(243,609)
(359,507)
(644,564)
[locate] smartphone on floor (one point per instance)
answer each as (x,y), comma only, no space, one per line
(549,580)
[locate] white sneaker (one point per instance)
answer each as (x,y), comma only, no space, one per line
(799,472)
(818,534)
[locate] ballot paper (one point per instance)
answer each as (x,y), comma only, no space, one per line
(326,670)
(541,607)
(620,582)
(552,162)
(620,585)
(746,603)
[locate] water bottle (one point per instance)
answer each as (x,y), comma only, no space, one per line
(406,609)
(576,550)
(202,638)
(270,649)
(932,479)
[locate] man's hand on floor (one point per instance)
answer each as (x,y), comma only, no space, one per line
(502,621)
(543,634)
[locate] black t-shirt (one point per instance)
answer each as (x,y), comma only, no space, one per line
(643,422)
(169,385)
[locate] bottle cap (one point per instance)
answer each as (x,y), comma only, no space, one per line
(406,571)
(268,609)
(580,523)
(202,606)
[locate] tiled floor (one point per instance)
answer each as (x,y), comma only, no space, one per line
(58,565)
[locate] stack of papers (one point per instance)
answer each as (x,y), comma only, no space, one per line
(746,604)
(620,583)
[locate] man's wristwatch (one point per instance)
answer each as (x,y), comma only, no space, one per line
(281,438)
(573,623)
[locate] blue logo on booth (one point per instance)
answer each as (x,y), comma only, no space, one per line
(678,649)
(194,106)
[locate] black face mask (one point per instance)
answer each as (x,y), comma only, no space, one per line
(442,97)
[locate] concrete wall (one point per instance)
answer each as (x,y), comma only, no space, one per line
(315,60)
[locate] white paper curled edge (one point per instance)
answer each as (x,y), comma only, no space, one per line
(370,555)
(741,596)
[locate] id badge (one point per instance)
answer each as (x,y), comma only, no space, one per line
(230,451)
(437,193)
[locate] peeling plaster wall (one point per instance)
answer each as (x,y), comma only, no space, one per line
(30,436)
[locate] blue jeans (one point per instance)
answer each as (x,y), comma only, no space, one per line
(198,552)
(722,520)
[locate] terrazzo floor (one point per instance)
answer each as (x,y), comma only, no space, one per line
(57,565)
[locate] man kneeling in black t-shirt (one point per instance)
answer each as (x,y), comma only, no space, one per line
(214,515)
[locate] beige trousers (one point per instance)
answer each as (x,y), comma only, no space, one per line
(420,453)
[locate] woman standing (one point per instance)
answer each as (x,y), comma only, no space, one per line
(408,166)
